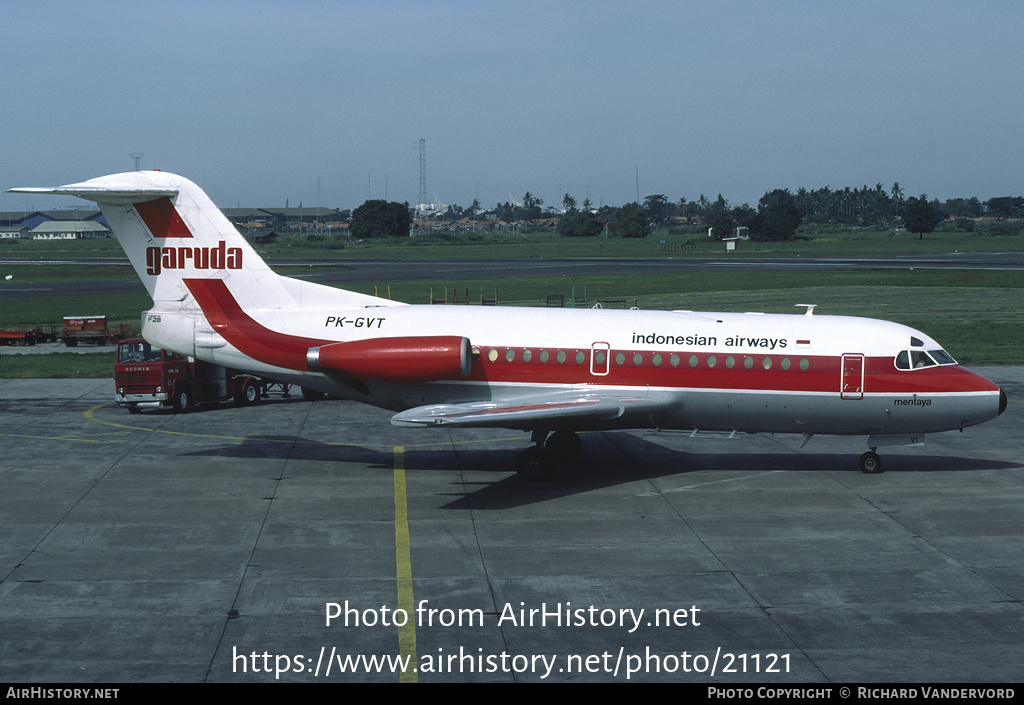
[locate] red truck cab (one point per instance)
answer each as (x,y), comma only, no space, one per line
(147,377)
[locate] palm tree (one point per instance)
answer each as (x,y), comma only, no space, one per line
(897,195)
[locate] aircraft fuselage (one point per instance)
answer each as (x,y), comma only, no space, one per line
(719,371)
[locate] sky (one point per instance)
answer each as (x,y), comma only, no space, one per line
(324,102)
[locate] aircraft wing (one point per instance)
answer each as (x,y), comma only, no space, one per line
(577,411)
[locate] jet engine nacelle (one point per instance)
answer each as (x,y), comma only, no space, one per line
(411,359)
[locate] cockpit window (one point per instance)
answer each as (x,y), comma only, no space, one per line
(919,359)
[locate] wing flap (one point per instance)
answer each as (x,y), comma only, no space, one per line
(552,410)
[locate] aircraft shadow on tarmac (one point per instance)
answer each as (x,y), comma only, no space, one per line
(488,480)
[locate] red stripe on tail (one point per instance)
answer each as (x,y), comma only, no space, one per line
(162,219)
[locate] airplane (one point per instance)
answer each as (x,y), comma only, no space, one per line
(548,371)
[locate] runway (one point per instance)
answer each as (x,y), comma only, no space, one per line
(213,546)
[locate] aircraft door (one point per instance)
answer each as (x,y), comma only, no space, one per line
(852,382)
(600,363)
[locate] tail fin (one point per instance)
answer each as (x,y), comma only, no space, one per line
(173,233)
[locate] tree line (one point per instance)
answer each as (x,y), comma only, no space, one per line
(775,217)
(378,218)
(779,212)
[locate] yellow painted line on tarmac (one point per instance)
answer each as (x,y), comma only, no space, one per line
(90,415)
(53,438)
(403,557)
(403,563)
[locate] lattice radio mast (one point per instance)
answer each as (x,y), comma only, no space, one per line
(423,171)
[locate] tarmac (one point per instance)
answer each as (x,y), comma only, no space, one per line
(293,540)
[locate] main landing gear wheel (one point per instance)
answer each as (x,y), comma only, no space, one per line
(564,446)
(870,463)
(534,464)
(538,462)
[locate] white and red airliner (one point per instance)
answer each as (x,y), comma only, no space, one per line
(552,372)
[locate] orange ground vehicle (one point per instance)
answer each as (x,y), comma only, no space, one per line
(28,334)
(90,329)
(146,377)
(16,336)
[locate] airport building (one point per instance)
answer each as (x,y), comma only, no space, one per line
(14,232)
(70,230)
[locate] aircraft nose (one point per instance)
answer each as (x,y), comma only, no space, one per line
(1002,400)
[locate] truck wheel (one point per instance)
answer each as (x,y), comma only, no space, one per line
(249,395)
(182,399)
